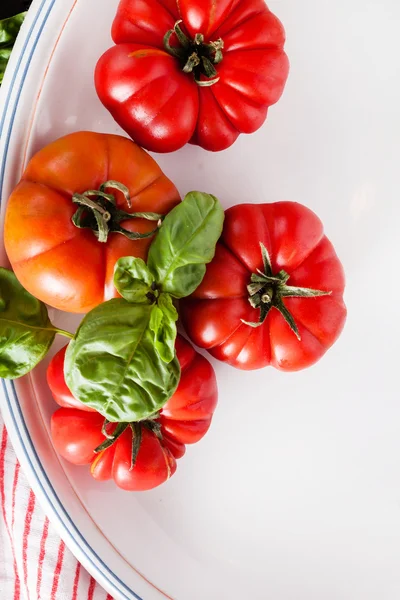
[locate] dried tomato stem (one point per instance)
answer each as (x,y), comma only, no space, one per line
(195,55)
(98,211)
(267,291)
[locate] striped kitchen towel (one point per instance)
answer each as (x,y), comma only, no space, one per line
(34,562)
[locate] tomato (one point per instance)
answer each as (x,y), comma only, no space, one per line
(75,433)
(64,265)
(57,385)
(192,71)
(185,419)
(282,306)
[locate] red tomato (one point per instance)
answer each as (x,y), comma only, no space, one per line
(184,419)
(59,263)
(239,289)
(192,71)
(57,385)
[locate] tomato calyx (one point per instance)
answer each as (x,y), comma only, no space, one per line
(267,291)
(98,211)
(195,55)
(150,423)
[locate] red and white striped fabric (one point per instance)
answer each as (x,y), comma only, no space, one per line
(34,562)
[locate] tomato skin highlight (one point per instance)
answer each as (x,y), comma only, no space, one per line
(184,419)
(101,467)
(144,86)
(76,433)
(67,267)
(295,240)
(126,71)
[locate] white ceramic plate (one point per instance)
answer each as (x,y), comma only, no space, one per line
(295,492)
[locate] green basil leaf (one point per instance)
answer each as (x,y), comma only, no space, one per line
(163,324)
(5,54)
(166,304)
(9,29)
(113,366)
(26,332)
(185,243)
(133,279)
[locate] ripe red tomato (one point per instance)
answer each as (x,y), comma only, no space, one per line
(57,385)
(192,71)
(185,419)
(63,265)
(240,288)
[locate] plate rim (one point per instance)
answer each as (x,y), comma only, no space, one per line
(12,413)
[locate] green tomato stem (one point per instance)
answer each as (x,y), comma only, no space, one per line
(111,439)
(136,441)
(137,434)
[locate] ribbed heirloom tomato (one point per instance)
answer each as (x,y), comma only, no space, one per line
(273,295)
(199,71)
(78,208)
(137,456)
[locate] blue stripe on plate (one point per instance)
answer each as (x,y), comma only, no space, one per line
(69,531)
(12,85)
(15,409)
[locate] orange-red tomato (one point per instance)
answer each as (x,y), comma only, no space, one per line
(62,265)
(185,419)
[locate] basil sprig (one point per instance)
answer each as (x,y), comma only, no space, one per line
(26,333)
(121,360)
(176,265)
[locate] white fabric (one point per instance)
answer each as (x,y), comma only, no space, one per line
(34,562)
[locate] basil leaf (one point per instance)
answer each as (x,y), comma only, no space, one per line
(185,243)
(26,332)
(113,366)
(163,320)
(5,54)
(133,279)
(9,29)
